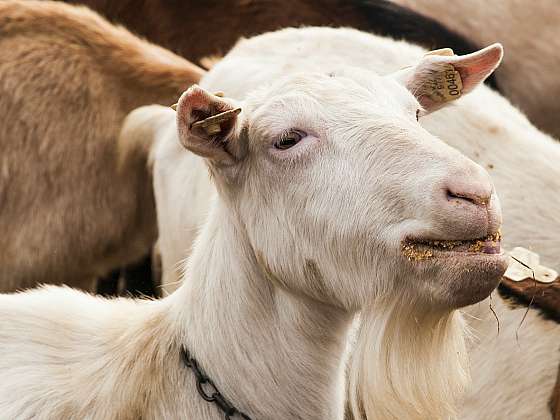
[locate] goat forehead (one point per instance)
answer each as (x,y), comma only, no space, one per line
(323,87)
(323,103)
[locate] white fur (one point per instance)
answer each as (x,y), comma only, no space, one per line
(276,275)
(521,160)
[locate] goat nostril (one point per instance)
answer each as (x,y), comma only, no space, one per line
(471,198)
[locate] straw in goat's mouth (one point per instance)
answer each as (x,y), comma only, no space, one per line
(418,250)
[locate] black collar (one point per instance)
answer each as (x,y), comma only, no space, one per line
(208,390)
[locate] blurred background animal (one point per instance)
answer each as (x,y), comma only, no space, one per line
(529,32)
(75,203)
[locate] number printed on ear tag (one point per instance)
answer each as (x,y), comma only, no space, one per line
(445,85)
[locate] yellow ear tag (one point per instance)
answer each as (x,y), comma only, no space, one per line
(445,84)
(212,124)
(519,272)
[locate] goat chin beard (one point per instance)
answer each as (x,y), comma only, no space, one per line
(407,363)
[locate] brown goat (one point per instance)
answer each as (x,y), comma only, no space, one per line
(73,202)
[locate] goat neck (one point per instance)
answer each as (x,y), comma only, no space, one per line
(271,353)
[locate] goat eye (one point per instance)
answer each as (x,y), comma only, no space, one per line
(291,138)
(417,114)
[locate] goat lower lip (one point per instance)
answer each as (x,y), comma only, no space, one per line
(418,250)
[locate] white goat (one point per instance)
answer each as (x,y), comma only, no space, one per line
(316,207)
(483,125)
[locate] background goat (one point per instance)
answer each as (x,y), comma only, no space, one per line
(75,202)
(529,32)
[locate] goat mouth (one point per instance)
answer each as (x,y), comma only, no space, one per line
(423,249)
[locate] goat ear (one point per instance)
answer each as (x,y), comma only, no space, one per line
(441,77)
(207,125)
